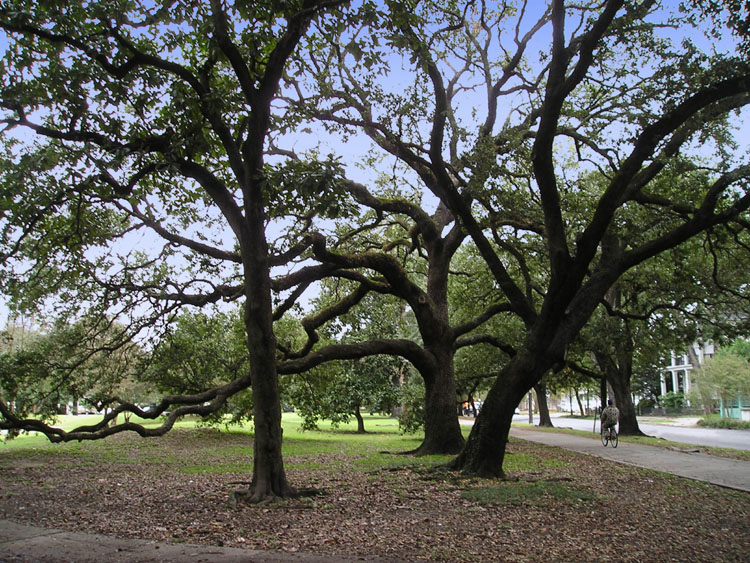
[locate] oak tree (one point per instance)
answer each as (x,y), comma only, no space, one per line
(503,111)
(122,118)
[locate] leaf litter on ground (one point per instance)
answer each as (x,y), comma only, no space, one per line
(555,505)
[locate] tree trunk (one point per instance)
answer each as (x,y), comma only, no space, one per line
(269,478)
(541,399)
(360,420)
(578,400)
(618,374)
(620,384)
(484,452)
(442,430)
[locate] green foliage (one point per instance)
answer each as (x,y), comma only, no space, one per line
(411,398)
(721,16)
(471,291)
(87,361)
(201,351)
(717,421)
(300,187)
(740,347)
(673,400)
(726,376)
(336,391)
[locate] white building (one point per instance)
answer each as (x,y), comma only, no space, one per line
(676,378)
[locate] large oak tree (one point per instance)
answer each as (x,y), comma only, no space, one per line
(123,117)
(503,110)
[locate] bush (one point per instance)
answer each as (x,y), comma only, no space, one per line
(673,400)
(412,397)
(730,423)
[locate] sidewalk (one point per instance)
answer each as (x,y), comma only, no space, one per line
(20,543)
(730,473)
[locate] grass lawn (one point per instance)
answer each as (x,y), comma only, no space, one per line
(372,502)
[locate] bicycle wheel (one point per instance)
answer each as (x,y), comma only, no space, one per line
(605,438)
(613,438)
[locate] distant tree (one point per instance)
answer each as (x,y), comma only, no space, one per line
(200,351)
(725,376)
(339,391)
(69,364)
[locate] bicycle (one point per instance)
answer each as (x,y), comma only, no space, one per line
(609,436)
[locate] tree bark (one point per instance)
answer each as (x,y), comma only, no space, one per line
(541,399)
(620,384)
(618,371)
(269,478)
(578,400)
(484,452)
(442,430)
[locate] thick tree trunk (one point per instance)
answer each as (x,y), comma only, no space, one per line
(442,430)
(269,478)
(484,452)
(620,384)
(618,376)
(541,400)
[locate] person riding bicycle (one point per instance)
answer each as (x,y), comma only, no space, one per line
(610,416)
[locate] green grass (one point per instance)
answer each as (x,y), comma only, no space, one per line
(366,450)
(231,450)
(528,462)
(523,492)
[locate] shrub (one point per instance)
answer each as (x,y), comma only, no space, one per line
(730,423)
(673,400)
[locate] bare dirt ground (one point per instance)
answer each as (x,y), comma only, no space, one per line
(587,509)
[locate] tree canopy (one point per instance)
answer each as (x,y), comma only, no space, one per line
(572,143)
(568,143)
(156,119)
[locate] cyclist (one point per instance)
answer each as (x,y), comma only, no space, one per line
(610,417)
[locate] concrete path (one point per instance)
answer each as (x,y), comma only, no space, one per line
(27,544)
(731,473)
(683,430)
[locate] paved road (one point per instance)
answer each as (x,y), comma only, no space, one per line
(687,434)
